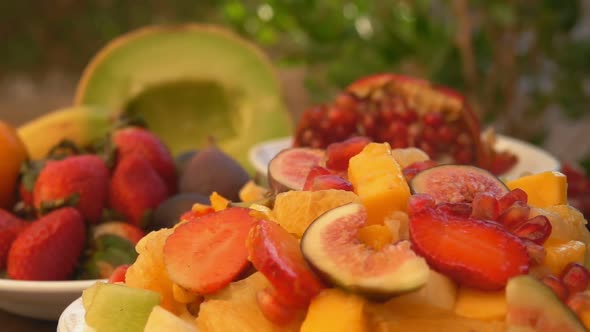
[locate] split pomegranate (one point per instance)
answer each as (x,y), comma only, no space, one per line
(405,112)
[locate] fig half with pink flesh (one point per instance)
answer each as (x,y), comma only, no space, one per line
(456,183)
(288,170)
(331,245)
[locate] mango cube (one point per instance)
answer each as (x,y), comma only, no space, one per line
(543,189)
(379,182)
(478,304)
(558,255)
(336,311)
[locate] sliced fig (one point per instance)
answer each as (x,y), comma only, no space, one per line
(289,168)
(532,306)
(331,245)
(456,183)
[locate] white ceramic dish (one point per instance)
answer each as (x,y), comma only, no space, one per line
(530,158)
(40,299)
(72,319)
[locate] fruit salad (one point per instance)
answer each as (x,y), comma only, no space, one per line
(362,237)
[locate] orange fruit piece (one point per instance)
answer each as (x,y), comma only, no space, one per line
(12,154)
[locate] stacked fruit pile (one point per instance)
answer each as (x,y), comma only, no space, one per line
(362,237)
(81,209)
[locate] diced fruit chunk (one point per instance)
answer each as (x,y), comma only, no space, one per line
(543,189)
(336,311)
(439,291)
(478,304)
(206,254)
(379,182)
(332,246)
(559,255)
(161,319)
(295,210)
(117,308)
(474,253)
(276,254)
(376,236)
(533,305)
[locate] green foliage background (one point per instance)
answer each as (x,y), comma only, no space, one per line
(514,60)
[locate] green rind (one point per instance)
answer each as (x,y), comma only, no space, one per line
(410,276)
(527,292)
(151,57)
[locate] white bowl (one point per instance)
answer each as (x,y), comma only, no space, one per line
(40,299)
(531,159)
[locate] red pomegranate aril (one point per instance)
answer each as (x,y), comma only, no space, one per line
(338,154)
(408,116)
(579,302)
(428,148)
(414,168)
(314,172)
(433,119)
(557,286)
(430,135)
(419,202)
(575,277)
(330,181)
(463,155)
(455,209)
(446,133)
(536,229)
(515,195)
(399,143)
(537,252)
(515,215)
(397,129)
(387,115)
(485,206)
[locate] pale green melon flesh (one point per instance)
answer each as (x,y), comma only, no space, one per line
(529,300)
(190,83)
(118,308)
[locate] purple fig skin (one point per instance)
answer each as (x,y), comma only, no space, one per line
(289,168)
(456,183)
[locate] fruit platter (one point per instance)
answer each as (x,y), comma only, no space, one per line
(385,209)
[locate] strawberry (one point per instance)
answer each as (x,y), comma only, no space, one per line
(49,248)
(10,227)
(119,273)
(473,252)
(80,181)
(121,229)
(136,189)
(139,141)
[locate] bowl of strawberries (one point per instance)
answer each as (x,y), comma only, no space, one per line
(76,215)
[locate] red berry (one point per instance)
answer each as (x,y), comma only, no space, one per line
(136,189)
(338,154)
(118,274)
(10,227)
(576,277)
(474,253)
(84,176)
(143,143)
(49,248)
(123,230)
(557,286)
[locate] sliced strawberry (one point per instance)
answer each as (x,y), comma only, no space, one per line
(206,254)
(276,254)
(49,248)
(273,309)
(10,227)
(474,253)
(314,172)
(119,274)
(338,154)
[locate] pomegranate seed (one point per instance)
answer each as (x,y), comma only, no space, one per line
(455,209)
(398,129)
(579,302)
(576,277)
(414,168)
(314,172)
(387,115)
(330,181)
(428,148)
(399,143)
(536,229)
(433,119)
(463,156)
(419,202)
(408,116)
(339,154)
(446,134)
(430,135)
(536,252)
(515,215)
(557,286)
(515,195)
(485,206)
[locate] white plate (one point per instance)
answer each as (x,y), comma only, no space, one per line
(40,299)
(531,159)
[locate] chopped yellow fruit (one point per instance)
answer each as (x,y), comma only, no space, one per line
(439,292)
(558,255)
(252,192)
(379,182)
(376,236)
(478,304)
(585,318)
(218,202)
(335,310)
(543,189)
(182,295)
